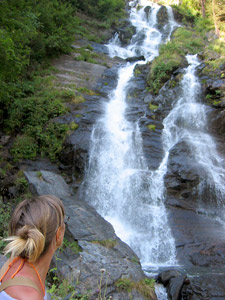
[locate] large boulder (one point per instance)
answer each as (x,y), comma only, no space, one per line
(100,257)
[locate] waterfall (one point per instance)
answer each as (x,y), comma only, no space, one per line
(118,182)
(187,122)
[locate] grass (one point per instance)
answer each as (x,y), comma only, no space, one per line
(110,243)
(86,91)
(145,286)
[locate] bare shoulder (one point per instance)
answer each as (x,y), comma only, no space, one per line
(23,293)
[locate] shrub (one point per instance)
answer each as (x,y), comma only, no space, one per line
(24,147)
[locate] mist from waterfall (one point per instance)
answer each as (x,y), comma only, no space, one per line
(118,182)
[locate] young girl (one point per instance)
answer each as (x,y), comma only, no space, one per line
(36,230)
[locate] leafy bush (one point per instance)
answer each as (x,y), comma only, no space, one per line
(24,147)
(31,116)
(30,31)
(104,9)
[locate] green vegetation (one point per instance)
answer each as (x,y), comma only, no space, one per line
(102,9)
(73,245)
(209,12)
(151,127)
(86,55)
(30,118)
(5,214)
(110,243)
(86,91)
(125,284)
(6,207)
(145,286)
(73,126)
(171,57)
(32,32)
(153,107)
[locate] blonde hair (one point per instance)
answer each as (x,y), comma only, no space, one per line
(33,226)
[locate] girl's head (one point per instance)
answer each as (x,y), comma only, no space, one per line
(33,226)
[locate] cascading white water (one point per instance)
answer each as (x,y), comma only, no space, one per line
(118,182)
(187,122)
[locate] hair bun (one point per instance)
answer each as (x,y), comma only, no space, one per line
(25,232)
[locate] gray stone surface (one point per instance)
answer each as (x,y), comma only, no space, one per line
(3,259)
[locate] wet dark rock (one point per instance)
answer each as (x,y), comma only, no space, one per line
(125,31)
(165,276)
(75,151)
(218,122)
(173,280)
(183,174)
(92,233)
(148,10)
(162,17)
(175,286)
(135,58)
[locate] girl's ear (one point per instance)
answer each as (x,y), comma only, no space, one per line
(60,235)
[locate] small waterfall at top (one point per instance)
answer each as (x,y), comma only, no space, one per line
(187,122)
(118,182)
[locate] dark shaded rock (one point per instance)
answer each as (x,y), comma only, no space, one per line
(183,175)
(135,58)
(175,286)
(148,10)
(174,281)
(75,151)
(125,31)
(218,123)
(92,233)
(181,18)
(162,17)
(165,276)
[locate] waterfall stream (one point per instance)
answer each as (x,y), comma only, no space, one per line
(118,182)
(187,122)
(126,192)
